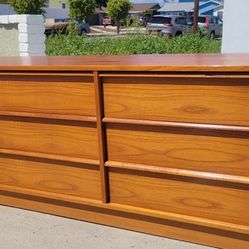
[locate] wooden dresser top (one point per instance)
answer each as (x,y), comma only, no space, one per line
(162,63)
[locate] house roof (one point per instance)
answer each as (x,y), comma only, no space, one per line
(143,7)
(177,7)
(186,6)
(208,6)
(135,8)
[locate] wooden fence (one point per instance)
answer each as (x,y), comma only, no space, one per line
(157,144)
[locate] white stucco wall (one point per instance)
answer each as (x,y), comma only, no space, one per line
(30,37)
(9,44)
(235,27)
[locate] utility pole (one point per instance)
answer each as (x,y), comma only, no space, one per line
(196,14)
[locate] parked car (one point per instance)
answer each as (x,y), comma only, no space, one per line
(107,21)
(82,26)
(169,25)
(55,26)
(143,20)
(210,26)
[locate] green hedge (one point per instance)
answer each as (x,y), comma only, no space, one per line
(131,44)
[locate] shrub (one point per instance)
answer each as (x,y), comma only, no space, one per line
(81,9)
(28,6)
(130,44)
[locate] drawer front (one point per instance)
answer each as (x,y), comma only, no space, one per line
(82,181)
(59,139)
(60,95)
(221,203)
(227,155)
(216,101)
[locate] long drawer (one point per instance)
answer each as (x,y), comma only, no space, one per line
(203,100)
(65,138)
(167,148)
(50,177)
(176,195)
(67,95)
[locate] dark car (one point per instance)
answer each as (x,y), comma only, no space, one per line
(143,20)
(55,26)
(81,26)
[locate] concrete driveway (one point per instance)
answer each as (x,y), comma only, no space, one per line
(20,229)
(100,30)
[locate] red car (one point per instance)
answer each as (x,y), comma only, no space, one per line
(107,21)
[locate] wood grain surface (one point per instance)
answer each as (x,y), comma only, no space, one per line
(160,147)
(65,178)
(183,197)
(215,101)
(46,94)
(231,63)
(54,138)
(101,138)
(158,144)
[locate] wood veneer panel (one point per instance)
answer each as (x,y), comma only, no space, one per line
(64,138)
(177,195)
(48,94)
(222,155)
(207,100)
(65,178)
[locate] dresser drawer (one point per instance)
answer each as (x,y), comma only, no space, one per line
(69,95)
(203,100)
(176,195)
(167,148)
(58,138)
(65,178)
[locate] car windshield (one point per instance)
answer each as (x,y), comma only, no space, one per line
(59,20)
(202,19)
(72,20)
(160,19)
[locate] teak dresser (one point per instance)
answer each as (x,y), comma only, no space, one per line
(157,144)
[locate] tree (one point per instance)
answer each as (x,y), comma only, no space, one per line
(196,15)
(28,6)
(81,9)
(118,10)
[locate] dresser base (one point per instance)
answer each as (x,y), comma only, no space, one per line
(144,224)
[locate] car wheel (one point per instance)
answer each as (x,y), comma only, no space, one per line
(212,35)
(178,33)
(167,35)
(83,32)
(53,33)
